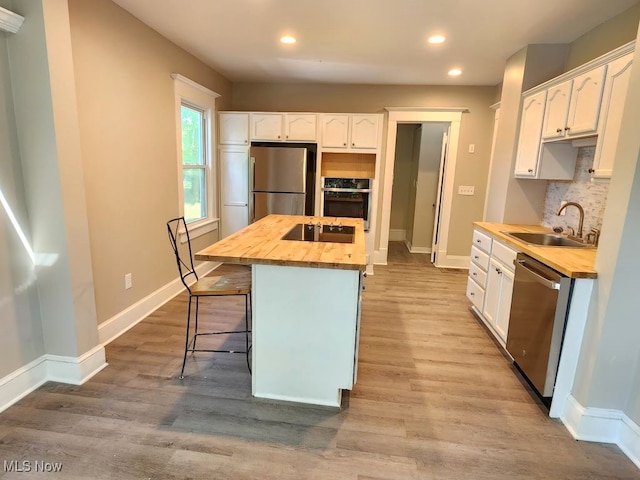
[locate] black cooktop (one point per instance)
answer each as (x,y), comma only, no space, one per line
(308,232)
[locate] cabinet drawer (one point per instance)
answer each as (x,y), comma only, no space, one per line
(475,293)
(482,241)
(480,258)
(477,274)
(503,253)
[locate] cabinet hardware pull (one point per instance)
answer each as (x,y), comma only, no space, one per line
(567,128)
(278,136)
(530,170)
(498,271)
(475,274)
(344,144)
(478,241)
(591,170)
(353,144)
(558,130)
(472,294)
(476,257)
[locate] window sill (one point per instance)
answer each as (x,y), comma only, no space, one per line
(198,229)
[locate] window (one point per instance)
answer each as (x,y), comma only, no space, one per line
(195,108)
(194,163)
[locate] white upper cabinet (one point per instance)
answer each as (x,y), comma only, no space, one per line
(586,97)
(335,131)
(279,127)
(267,127)
(364,131)
(556,110)
(613,102)
(234,128)
(573,106)
(529,139)
(350,131)
(300,127)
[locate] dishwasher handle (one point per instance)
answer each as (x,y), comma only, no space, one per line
(539,278)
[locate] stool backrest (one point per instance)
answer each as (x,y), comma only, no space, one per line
(175,227)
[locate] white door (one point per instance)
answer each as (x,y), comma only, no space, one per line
(438,205)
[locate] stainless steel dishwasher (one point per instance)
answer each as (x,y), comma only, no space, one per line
(537,321)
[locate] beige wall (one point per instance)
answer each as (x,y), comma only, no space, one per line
(476,127)
(609,35)
(402,176)
(127,125)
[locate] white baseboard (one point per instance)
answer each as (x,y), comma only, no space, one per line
(419,249)
(75,370)
(380,256)
(452,261)
(46,368)
(21,382)
(112,328)
(603,425)
(397,234)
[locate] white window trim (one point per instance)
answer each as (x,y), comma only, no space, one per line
(192,93)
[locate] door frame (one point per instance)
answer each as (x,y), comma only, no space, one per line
(396,115)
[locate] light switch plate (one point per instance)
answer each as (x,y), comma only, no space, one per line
(466,190)
(472,148)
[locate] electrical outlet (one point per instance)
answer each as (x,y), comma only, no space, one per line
(466,190)
(128,282)
(472,148)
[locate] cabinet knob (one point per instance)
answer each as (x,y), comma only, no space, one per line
(558,130)
(344,144)
(567,128)
(498,271)
(530,170)
(472,294)
(353,144)
(246,141)
(475,274)
(287,136)
(591,170)
(476,257)
(478,241)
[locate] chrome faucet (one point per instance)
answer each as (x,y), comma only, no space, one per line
(580,210)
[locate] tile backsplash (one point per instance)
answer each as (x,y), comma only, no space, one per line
(591,195)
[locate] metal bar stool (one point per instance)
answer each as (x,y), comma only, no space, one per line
(238,282)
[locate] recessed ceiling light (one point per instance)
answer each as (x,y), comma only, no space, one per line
(436,39)
(288,39)
(454,72)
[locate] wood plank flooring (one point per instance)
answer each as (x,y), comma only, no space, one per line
(435,399)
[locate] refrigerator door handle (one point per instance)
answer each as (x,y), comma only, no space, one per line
(252,165)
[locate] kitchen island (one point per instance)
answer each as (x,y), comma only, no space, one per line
(306,295)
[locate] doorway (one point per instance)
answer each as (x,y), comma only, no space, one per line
(416,185)
(397,117)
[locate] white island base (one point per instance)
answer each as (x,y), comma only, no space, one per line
(305,333)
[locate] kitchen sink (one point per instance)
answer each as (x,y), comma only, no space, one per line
(547,239)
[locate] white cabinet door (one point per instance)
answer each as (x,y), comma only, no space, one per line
(584,108)
(335,131)
(234,189)
(504,306)
(234,128)
(266,126)
(492,293)
(529,139)
(613,102)
(364,131)
(300,127)
(555,113)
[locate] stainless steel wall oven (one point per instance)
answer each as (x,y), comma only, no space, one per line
(346,197)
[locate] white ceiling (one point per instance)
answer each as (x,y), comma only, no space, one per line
(367,41)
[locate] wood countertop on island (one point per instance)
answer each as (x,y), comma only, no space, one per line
(573,262)
(261,243)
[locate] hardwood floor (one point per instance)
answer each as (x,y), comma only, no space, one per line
(435,399)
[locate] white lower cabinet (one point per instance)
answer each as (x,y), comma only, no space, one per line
(234,194)
(490,284)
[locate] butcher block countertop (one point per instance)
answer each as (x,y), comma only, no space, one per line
(261,243)
(573,262)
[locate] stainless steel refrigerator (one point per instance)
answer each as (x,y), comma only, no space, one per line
(282,180)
